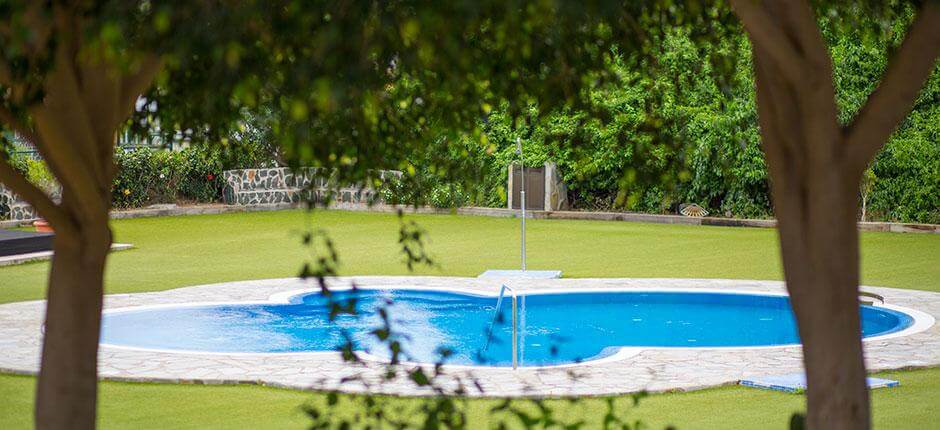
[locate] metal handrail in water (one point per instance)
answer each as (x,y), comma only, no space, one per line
(868,295)
(515,326)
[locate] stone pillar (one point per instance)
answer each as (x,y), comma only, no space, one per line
(556,192)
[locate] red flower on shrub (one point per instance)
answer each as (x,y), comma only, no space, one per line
(210,176)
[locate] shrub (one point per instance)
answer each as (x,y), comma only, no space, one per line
(148,176)
(144,176)
(907,184)
(708,143)
(203,179)
(38,173)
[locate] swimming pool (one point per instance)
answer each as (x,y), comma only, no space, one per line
(555,328)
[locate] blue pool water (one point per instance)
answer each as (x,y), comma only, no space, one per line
(557,328)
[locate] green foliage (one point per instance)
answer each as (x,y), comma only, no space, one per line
(641,113)
(357,86)
(38,173)
(904,180)
(350,86)
(148,176)
(203,175)
(907,187)
(663,138)
(612,160)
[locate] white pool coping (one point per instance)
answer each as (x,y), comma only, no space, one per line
(630,369)
(10,260)
(921,321)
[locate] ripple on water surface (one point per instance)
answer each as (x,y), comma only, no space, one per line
(559,328)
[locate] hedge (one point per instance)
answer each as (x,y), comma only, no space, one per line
(681,136)
(150,176)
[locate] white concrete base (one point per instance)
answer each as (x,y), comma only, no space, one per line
(525,274)
(10,260)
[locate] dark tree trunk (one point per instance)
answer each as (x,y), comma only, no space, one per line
(85,102)
(815,195)
(819,244)
(67,391)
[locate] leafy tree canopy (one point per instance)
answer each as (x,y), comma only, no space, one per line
(354,85)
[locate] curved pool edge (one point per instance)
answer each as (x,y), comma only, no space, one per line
(651,370)
(921,321)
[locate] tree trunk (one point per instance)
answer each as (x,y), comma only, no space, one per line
(819,245)
(86,100)
(816,165)
(816,204)
(67,390)
(815,195)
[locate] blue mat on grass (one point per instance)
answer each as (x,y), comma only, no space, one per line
(796,383)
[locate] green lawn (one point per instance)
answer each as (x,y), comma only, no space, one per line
(179,251)
(159,406)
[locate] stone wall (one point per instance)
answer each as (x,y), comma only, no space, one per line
(12,208)
(248,187)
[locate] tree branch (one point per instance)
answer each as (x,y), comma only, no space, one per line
(35,197)
(100,91)
(768,34)
(68,162)
(21,186)
(7,117)
(6,77)
(136,83)
(35,139)
(887,106)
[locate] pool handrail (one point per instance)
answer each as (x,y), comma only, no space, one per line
(515,326)
(867,298)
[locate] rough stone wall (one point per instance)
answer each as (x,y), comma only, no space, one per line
(556,192)
(6,198)
(12,208)
(248,187)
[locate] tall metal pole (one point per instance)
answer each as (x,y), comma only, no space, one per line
(522,195)
(515,332)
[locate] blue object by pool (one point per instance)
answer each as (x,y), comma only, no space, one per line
(796,382)
(555,328)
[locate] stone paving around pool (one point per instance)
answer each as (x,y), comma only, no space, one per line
(662,369)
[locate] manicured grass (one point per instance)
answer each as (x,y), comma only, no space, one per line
(158,406)
(180,251)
